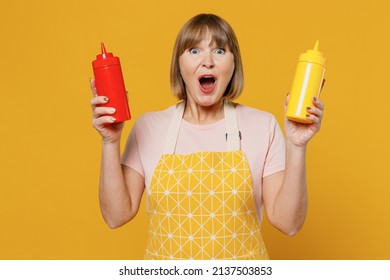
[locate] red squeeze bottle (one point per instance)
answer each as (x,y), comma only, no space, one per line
(109,82)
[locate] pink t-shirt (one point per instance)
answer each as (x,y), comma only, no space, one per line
(262,142)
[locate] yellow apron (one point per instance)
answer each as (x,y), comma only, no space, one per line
(201,205)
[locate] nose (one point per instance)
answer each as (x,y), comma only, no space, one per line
(208,61)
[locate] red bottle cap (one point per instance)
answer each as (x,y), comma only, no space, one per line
(105,58)
(104,54)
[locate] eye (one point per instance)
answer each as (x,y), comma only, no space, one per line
(193,51)
(219,51)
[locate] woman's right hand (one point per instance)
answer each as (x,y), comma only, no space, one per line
(102,120)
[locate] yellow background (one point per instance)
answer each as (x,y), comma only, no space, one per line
(49,152)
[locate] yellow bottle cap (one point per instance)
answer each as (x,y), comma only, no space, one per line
(314,55)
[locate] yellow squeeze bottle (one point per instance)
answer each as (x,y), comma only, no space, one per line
(307,83)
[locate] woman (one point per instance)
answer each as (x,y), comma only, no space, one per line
(208,165)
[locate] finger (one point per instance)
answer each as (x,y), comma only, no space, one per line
(99,123)
(98,100)
(318,103)
(314,118)
(93,87)
(315,111)
(100,111)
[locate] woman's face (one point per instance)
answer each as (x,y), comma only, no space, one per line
(206,70)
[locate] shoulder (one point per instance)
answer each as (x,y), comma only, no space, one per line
(251,116)
(151,121)
(152,126)
(159,116)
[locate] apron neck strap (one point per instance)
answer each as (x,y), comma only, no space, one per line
(233,135)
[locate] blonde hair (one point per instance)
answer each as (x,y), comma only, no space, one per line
(191,34)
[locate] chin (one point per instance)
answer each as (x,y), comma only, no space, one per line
(208,101)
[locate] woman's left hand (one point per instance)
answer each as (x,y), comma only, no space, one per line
(299,134)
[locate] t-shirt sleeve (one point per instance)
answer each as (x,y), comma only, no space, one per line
(275,158)
(131,155)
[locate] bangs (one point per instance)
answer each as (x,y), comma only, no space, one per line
(196,32)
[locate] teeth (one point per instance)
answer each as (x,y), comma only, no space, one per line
(207,77)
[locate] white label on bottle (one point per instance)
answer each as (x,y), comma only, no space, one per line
(303,89)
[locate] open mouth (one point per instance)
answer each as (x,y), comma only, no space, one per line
(207,83)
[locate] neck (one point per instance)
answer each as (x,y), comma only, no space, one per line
(197,114)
